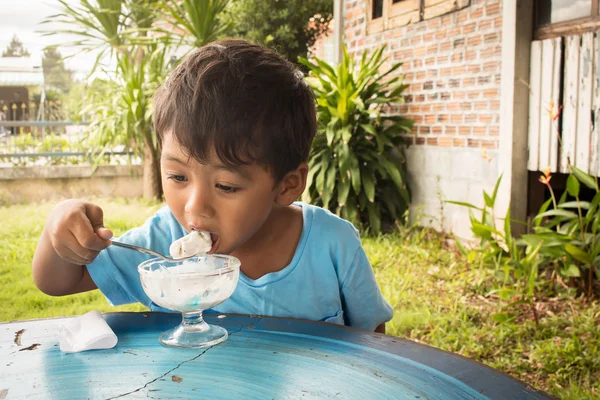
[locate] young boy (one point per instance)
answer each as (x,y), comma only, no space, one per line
(235,123)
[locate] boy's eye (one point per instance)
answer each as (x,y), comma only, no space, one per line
(177,178)
(226,189)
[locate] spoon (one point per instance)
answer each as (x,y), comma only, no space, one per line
(148,251)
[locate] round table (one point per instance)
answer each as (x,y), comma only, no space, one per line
(263,358)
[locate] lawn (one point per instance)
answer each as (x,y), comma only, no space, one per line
(439,299)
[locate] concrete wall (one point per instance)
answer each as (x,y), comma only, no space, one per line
(440,174)
(23,184)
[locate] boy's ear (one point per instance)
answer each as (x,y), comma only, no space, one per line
(292,185)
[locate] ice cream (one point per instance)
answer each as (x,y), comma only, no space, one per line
(196,242)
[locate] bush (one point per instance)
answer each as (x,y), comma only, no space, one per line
(357,168)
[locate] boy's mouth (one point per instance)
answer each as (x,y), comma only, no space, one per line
(215,241)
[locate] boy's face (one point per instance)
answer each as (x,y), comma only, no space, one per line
(231,204)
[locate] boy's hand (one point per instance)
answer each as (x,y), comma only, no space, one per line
(76,231)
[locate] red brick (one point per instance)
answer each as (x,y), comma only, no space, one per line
(445,141)
(491,66)
(464,130)
(474,69)
(494,130)
(495,105)
(445,46)
(477,14)
(459,70)
(452,106)
(437,107)
(468,82)
(456,119)
(489,144)
(471,55)
(486,24)
(451,130)
(481,105)
(432,141)
(436,130)
(474,94)
(443,118)
(457,57)
(458,142)
(466,106)
(424,130)
(419,140)
(490,37)
(479,130)
(428,37)
(491,93)
(491,9)
(473,142)
(469,28)
(420,51)
(430,119)
(498,22)
(470,118)
(486,118)
(474,40)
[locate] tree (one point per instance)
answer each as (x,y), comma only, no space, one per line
(290,27)
(55,72)
(132,33)
(15,49)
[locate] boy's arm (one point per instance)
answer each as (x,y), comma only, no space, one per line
(364,305)
(69,242)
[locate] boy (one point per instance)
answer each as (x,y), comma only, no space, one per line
(235,123)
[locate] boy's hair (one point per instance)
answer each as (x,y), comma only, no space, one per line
(242,100)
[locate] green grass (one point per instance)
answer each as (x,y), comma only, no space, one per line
(438,300)
(19,232)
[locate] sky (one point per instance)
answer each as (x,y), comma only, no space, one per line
(22,17)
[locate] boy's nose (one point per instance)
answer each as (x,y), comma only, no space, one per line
(199,204)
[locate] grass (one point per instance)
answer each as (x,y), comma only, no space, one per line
(438,300)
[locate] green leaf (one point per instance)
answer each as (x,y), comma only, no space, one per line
(355,174)
(557,213)
(578,254)
(584,205)
(584,178)
(571,271)
(369,186)
(374,218)
(329,185)
(502,317)
(496,187)
(488,200)
(463,204)
(573,186)
(343,190)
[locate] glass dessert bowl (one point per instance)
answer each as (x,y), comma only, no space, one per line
(190,287)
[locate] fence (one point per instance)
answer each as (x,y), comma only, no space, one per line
(32,143)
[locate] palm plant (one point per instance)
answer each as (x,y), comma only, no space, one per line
(356,166)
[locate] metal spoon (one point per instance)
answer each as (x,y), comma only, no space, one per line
(148,251)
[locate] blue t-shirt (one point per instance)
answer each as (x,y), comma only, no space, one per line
(329,279)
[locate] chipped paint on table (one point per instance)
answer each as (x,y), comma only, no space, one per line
(264,358)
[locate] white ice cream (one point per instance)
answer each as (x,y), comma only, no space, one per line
(196,242)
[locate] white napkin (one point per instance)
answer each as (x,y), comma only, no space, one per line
(86,332)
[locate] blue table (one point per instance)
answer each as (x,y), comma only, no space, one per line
(264,358)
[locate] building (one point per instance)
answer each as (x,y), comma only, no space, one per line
(485,77)
(19,77)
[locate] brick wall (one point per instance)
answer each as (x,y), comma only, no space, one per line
(452,64)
